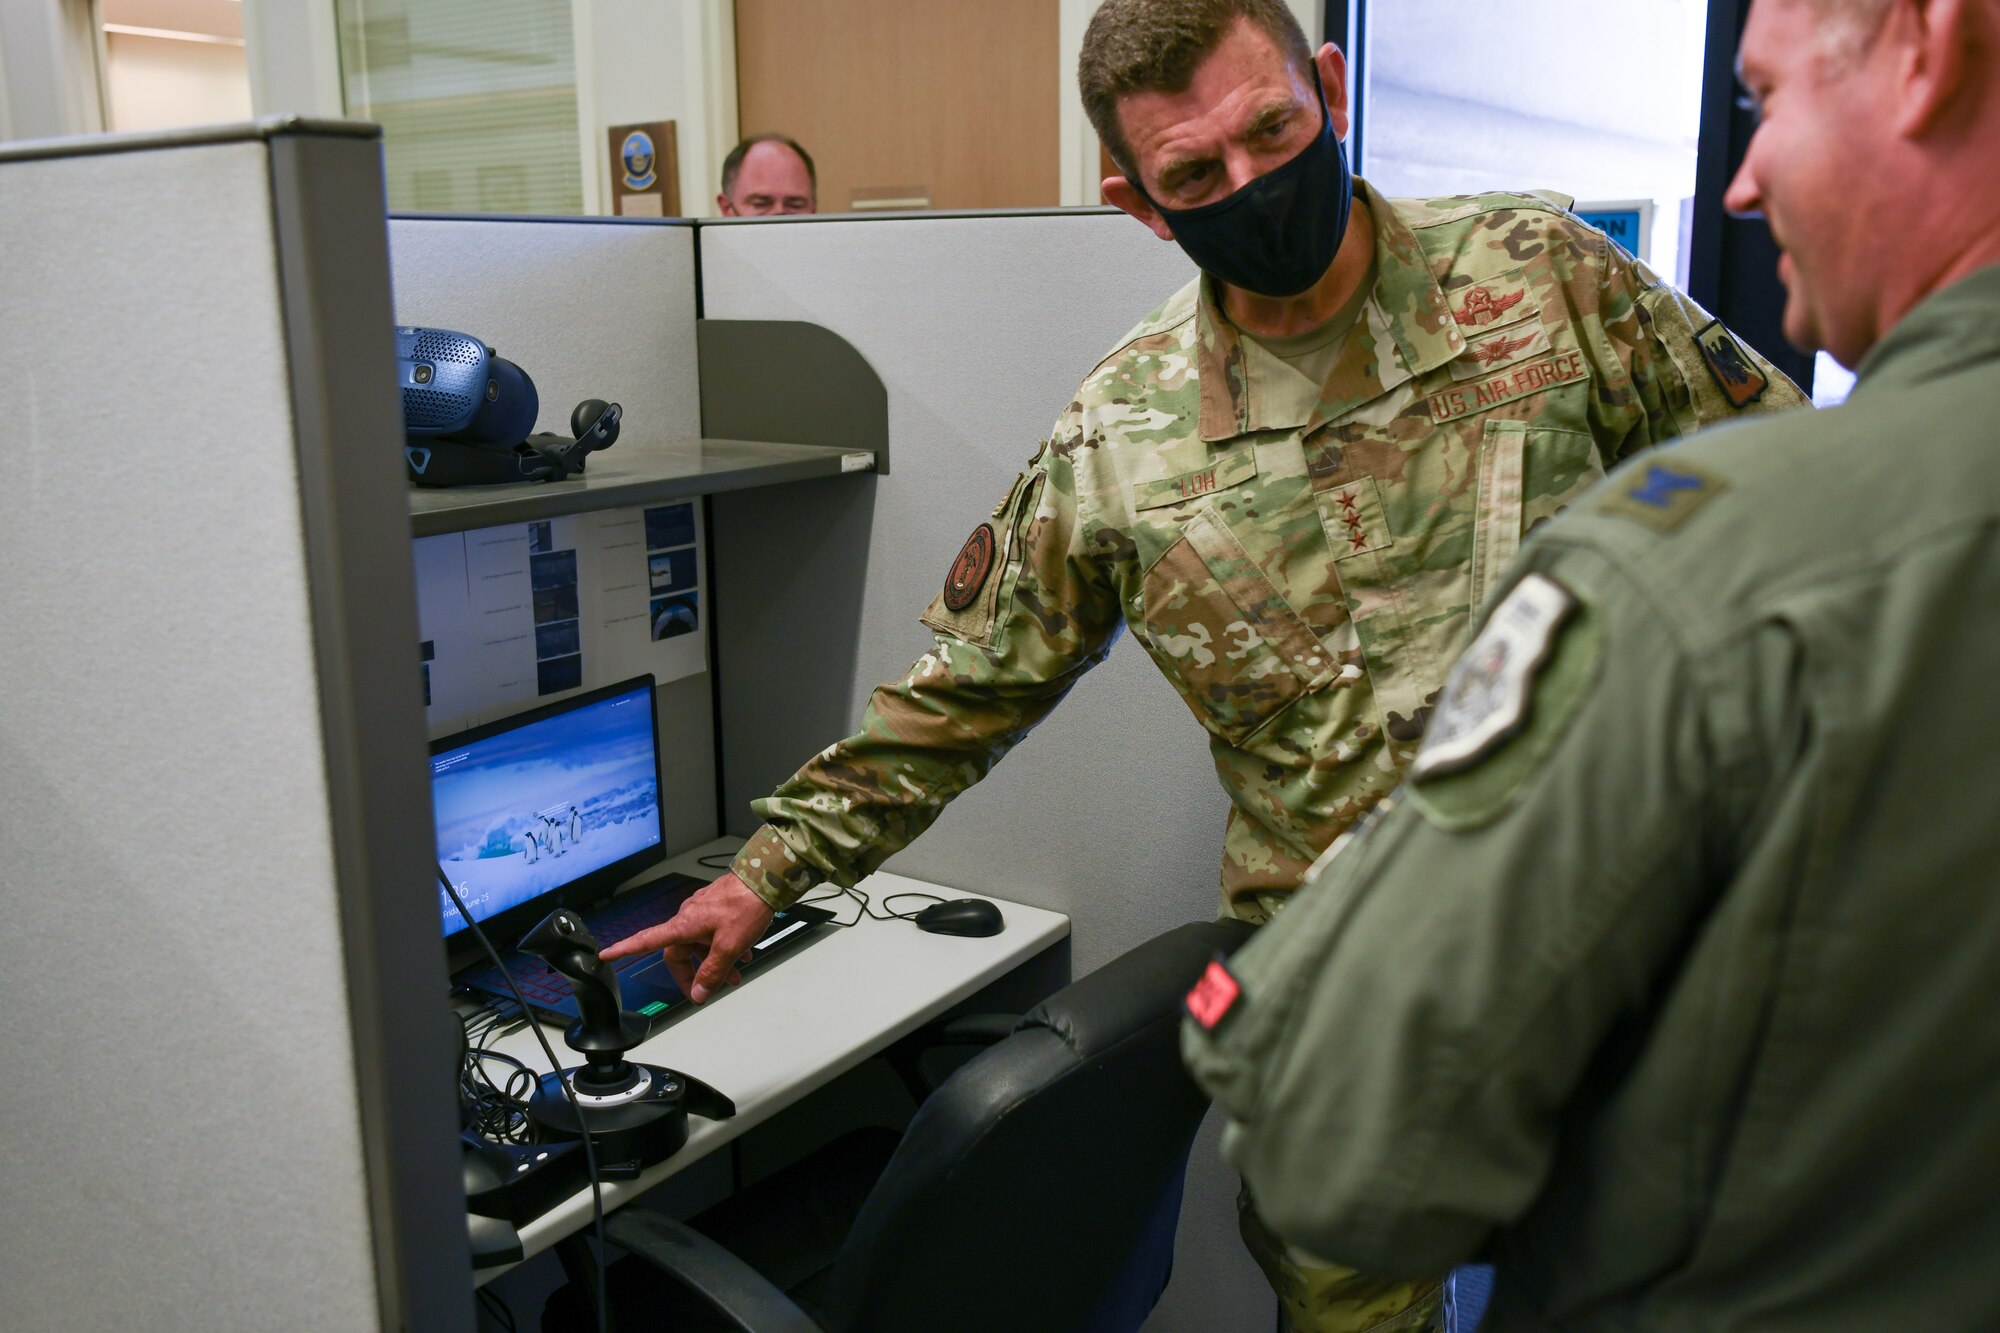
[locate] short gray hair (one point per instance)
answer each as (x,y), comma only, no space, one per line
(1847,28)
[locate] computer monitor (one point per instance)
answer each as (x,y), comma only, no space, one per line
(552,807)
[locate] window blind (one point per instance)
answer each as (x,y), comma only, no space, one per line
(476,99)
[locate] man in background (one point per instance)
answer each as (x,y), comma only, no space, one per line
(1292,482)
(1668,982)
(767,175)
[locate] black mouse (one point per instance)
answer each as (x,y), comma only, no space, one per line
(961,916)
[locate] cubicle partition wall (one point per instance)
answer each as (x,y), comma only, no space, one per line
(596,308)
(228,1075)
(591,307)
(980,327)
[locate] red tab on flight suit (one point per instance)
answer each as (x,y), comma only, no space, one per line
(1212,996)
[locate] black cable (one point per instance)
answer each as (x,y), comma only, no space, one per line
(867,908)
(583,1126)
(496,1112)
(507,1025)
(497,1308)
(708,862)
(490,1020)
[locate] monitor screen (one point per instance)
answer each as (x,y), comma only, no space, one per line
(542,801)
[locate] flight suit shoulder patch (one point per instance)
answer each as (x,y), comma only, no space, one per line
(1505,704)
(1662,493)
(1734,369)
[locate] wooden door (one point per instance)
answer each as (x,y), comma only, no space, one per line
(952,102)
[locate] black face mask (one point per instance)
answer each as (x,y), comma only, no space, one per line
(1277,235)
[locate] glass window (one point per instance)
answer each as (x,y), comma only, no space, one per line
(1598,101)
(476,99)
(1832,382)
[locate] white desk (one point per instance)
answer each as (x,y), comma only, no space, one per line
(808,1018)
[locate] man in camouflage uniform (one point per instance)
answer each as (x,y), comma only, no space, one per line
(1293,503)
(1669,980)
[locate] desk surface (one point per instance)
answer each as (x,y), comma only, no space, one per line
(802,1022)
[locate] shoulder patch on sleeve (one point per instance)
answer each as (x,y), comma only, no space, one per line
(1733,368)
(970,603)
(969,571)
(1559,660)
(1486,695)
(1721,376)
(1662,494)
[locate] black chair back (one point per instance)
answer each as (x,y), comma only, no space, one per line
(1039,1187)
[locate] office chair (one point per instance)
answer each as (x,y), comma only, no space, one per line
(1037,1188)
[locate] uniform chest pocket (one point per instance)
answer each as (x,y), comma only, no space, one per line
(1526,474)
(1231,643)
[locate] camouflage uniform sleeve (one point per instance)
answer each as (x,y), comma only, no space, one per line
(1687,369)
(1025,611)
(1405,1035)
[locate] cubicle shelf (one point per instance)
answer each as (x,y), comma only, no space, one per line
(632,474)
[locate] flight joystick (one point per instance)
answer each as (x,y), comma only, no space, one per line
(604,1031)
(636,1113)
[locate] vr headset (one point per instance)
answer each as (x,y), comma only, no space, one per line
(467,414)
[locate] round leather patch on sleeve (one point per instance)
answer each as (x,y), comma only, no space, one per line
(969,571)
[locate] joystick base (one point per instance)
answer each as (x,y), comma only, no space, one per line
(628,1137)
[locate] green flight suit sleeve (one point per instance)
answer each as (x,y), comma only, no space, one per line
(1676,387)
(1026,610)
(1410,1029)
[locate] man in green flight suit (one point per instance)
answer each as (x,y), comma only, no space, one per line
(1293,482)
(1668,980)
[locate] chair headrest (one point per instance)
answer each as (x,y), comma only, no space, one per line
(1136,988)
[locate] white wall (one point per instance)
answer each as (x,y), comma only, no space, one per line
(154,83)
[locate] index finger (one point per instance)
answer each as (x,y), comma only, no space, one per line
(674,930)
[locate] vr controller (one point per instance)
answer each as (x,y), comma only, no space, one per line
(468,414)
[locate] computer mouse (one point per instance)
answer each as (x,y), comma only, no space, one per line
(961,916)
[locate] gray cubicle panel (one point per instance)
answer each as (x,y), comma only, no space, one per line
(591,308)
(228,1101)
(981,328)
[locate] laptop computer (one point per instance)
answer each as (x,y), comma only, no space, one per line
(556,807)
